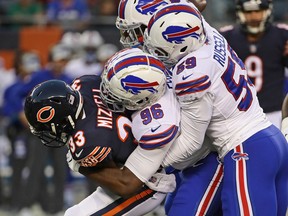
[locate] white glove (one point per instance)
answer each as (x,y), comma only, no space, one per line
(284,127)
(73,165)
(162,182)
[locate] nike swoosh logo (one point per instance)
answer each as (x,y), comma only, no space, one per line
(186,77)
(79,153)
(154,129)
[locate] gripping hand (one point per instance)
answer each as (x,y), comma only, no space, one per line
(162,182)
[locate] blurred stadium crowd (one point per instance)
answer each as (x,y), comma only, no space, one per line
(34,178)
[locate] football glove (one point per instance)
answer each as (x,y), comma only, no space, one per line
(162,182)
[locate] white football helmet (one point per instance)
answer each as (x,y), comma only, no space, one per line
(174,31)
(133,18)
(132,80)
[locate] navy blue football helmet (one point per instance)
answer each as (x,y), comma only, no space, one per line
(52,108)
(247,6)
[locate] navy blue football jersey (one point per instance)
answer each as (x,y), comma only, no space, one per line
(100,135)
(264,61)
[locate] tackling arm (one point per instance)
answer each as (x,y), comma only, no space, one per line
(140,166)
(195,118)
(120,181)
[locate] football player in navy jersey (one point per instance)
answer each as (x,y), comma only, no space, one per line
(97,139)
(263,47)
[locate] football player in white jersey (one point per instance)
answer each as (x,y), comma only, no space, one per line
(126,85)
(135,82)
(132,20)
(218,100)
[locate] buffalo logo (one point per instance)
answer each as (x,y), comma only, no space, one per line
(135,85)
(239,155)
(149,8)
(177,34)
(45,114)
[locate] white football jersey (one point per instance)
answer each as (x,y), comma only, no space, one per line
(155,125)
(216,96)
(155,128)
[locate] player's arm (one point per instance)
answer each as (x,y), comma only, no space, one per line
(108,175)
(120,181)
(138,169)
(195,118)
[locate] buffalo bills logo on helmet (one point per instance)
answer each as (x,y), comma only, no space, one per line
(177,34)
(239,155)
(135,85)
(149,7)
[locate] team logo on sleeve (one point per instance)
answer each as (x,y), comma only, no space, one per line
(150,7)
(236,156)
(45,114)
(177,34)
(135,85)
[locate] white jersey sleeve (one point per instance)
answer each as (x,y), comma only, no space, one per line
(190,147)
(155,128)
(156,125)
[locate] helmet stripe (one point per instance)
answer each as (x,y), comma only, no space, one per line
(183,33)
(121,9)
(172,9)
(154,3)
(135,60)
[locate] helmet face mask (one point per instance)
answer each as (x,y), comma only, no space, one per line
(112,102)
(133,18)
(132,80)
(52,109)
(174,31)
(159,52)
(50,139)
(254,16)
(130,35)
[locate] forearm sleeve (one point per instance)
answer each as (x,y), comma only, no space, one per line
(144,163)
